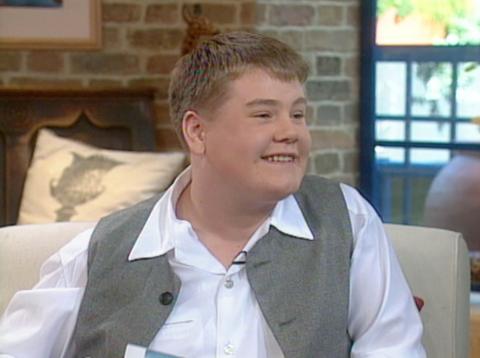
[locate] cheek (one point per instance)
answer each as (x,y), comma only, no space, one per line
(306,140)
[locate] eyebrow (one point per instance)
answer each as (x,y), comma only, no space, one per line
(273,102)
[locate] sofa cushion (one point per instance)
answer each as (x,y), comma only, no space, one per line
(71,181)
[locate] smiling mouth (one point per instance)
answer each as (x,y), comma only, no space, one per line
(280,158)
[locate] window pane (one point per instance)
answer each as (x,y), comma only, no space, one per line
(429,156)
(390,130)
(428,22)
(431,91)
(468,91)
(419,191)
(394,199)
(391,187)
(468,132)
(386,155)
(391,79)
(423,131)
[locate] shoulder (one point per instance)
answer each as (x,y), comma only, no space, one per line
(316,181)
(314,185)
(334,197)
(356,203)
(124,221)
(367,226)
(136,212)
(115,234)
(76,247)
(67,267)
(324,196)
(318,190)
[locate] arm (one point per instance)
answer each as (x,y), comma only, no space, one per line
(40,321)
(383,318)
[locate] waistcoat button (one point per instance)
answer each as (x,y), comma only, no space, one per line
(166,298)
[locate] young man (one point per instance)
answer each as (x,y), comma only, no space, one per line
(243,255)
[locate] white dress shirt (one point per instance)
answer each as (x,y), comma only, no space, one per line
(216,313)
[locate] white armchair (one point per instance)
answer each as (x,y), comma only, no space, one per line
(434,261)
(436,264)
(23,249)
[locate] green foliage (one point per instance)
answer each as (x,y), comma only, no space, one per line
(463,31)
(403,7)
(444,12)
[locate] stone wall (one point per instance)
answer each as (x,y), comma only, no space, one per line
(141,42)
(327,34)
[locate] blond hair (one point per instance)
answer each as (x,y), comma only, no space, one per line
(200,78)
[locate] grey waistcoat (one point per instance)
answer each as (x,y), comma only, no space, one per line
(302,286)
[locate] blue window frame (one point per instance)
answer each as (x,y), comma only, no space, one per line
(395,173)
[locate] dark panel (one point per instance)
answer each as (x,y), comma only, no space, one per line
(120,119)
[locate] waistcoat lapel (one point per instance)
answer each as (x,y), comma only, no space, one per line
(123,299)
(278,282)
(302,285)
(274,279)
(128,309)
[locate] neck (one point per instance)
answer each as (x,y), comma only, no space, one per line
(218,214)
(221,222)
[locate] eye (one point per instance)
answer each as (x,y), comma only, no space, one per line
(263,115)
(299,115)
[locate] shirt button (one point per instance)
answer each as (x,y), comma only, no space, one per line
(229,349)
(228,283)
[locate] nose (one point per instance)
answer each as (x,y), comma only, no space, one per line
(285,130)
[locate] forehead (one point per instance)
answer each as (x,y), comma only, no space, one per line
(258,84)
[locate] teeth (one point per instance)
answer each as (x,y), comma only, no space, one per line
(280,158)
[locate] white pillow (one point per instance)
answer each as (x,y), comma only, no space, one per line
(72,181)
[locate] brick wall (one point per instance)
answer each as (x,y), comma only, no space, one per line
(327,34)
(141,42)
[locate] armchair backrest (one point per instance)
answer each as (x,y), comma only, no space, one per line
(436,265)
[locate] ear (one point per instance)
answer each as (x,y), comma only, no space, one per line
(193,129)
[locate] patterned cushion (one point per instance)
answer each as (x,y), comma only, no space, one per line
(72,181)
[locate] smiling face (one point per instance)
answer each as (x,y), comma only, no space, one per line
(255,145)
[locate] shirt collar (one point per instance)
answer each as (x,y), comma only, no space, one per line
(288,218)
(154,239)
